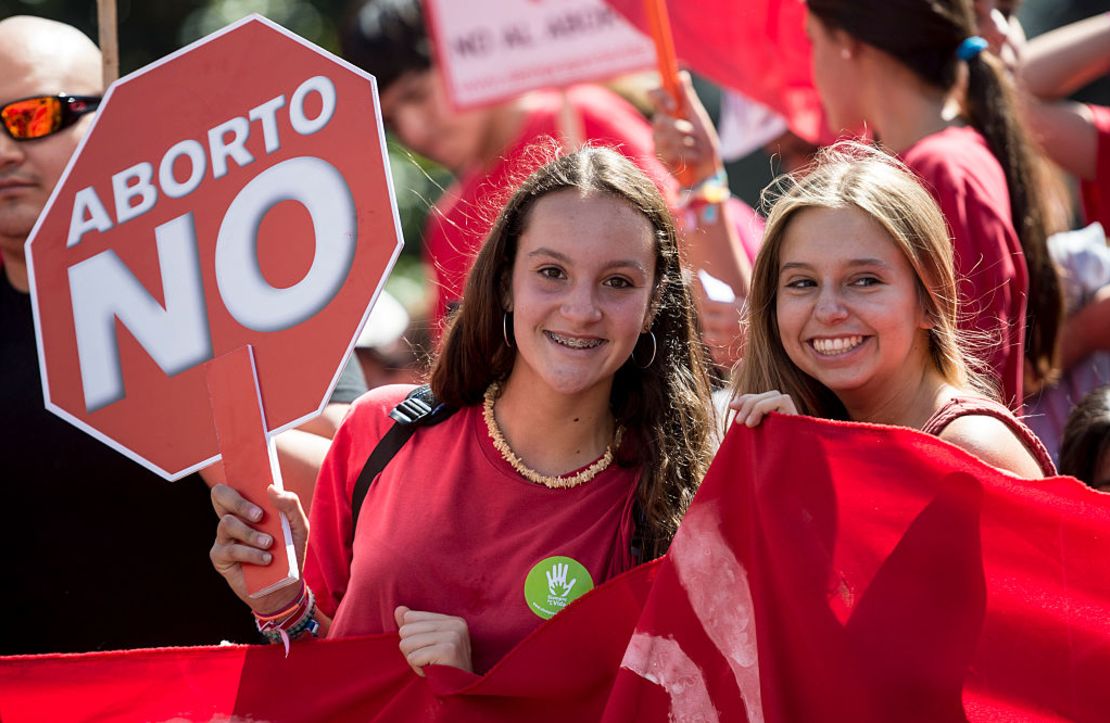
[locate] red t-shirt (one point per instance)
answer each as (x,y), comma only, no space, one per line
(1096,193)
(450,527)
(462,217)
(970,186)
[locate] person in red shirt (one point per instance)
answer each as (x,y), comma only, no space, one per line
(854,314)
(582,396)
(482,147)
(928,88)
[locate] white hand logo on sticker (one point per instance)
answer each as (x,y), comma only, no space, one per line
(557,579)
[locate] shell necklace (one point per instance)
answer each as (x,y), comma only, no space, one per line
(559,483)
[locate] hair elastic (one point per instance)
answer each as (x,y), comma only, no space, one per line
(971,47)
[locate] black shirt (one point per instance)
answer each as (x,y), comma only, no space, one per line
(99,553)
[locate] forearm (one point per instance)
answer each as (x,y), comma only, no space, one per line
(1086,331)
(327,422)
(300,455)
(1066,133)
(711,242)
(1062,61)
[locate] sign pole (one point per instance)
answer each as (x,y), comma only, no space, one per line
(570,124)
(250,460)
(108,40)
(660,24)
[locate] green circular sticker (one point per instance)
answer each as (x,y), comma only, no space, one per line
(553,583)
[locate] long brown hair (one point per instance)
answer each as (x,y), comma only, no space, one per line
(665,408)
(853,175)
(924,36)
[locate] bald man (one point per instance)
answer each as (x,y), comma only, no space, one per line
(38,57)
(102,553)
(98,552)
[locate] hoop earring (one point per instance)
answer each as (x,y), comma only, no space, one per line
(654,349)
(505,329)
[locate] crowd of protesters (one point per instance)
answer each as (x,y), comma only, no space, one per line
(871,300)
(924,277)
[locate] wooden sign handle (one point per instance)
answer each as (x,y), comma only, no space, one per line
(659,23)
(250,461)
(108,39)
(571,128)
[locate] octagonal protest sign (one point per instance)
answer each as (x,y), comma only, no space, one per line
(235,194)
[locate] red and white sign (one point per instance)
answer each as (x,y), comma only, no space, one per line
(236,193)
(490,50)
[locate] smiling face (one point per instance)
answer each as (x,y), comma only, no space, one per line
(582,287)
(848,308)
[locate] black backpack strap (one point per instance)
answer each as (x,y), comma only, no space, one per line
(419,409)
(639,535)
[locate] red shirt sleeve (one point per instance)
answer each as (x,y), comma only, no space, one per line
(970,188)
(1096,193)
(327,567)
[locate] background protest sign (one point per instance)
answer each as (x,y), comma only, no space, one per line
(490,50)
(234,194)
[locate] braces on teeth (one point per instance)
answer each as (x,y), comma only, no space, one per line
(575,343)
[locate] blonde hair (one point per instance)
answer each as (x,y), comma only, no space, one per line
(850,174)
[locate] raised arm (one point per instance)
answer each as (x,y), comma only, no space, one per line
(711,239)
(1058,63)
(1053,66)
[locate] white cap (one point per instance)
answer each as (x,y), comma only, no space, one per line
(387,323)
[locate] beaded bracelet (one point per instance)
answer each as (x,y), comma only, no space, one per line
(706,196)
(291,622)
(287,610)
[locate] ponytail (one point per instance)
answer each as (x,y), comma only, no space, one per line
(932,38)
(991,107)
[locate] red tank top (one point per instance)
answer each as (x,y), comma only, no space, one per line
(968,406)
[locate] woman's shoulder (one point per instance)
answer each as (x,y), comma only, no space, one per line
(993,441)
(968,182)
(992,433)
(388,395)
(957,153)
(372,408)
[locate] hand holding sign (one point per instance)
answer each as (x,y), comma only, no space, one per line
(686,140)
(240,543)
(211,253)
(659,23)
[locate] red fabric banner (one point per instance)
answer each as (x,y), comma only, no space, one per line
(561,672)
(757,47)
(831,571)
(826,571)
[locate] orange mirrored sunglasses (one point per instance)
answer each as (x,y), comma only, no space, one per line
(30,118)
